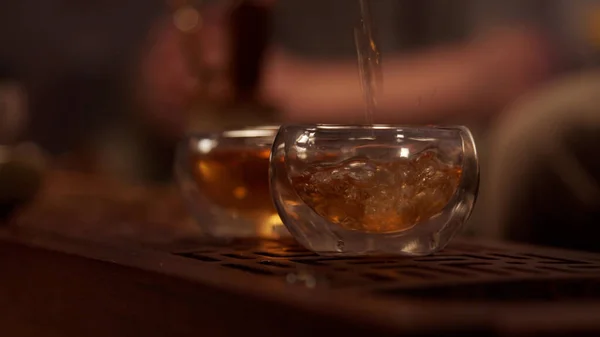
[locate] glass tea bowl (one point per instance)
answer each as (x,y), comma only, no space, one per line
(374,190)
(224,178)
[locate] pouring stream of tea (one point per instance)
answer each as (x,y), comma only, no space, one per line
(369,60)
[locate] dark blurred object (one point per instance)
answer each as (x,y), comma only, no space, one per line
(228,96)
(73,59)
(545,173)
(13,111)
(551,210)
(20,164)
(21,170)
(251,27)
(18,184)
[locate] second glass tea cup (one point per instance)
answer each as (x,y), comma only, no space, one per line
(224,179)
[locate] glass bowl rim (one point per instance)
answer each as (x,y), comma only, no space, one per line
(382,127)
(249,132)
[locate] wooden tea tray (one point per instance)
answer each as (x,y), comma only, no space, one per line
(55,286)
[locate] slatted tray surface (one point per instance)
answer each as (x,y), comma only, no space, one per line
(464,271)
(472,288)
(75,264)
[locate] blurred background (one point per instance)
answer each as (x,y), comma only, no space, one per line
(108,88)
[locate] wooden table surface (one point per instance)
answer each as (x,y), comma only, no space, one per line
(102,265)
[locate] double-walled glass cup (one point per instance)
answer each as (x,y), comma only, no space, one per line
(382,189)
(224,177)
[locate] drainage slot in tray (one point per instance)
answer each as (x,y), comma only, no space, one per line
(249,269)
(239,256)
(378,277)
(555,260)
(507,256)
(524,270)
(308,262)
(199,257)
(274,264)
(286,254)
(440,259)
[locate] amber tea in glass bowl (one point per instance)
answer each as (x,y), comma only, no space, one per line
(224,179)
(378,196)
(366,190)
